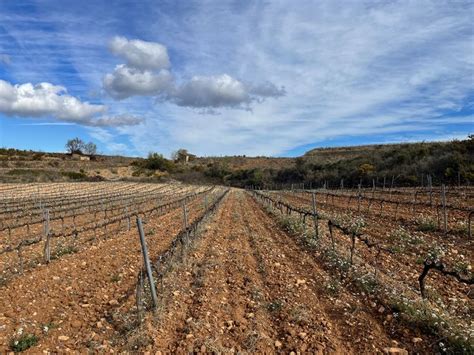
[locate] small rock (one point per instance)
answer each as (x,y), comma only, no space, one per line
(189,336)
(76,324)
(302,335)
(278,344)
(175,293)
(63,338)
(416,340)
(113,302)
(398,351)
(381,309)
(300,282)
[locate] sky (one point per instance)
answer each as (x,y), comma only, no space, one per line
(235,77)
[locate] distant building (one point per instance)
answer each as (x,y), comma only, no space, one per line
(182,156)
(80,156)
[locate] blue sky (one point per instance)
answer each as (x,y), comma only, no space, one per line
(234,77)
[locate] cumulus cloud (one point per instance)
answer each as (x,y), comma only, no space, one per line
(145,74)
(46,99)
(140,54)
(211,91)
(126,81)
(221,91)
(384,69)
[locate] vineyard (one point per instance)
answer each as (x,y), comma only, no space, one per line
(119,266)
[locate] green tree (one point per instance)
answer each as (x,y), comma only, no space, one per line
(366,169)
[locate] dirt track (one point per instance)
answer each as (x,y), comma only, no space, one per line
(248,287)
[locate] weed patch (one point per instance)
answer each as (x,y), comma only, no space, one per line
(23,342)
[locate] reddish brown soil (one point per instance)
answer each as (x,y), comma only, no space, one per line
(244,286)
(401,267)
(248,287)
(76,294)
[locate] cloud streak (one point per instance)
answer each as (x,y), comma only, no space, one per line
(399,68)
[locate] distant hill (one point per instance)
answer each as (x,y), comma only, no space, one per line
(407,163)
(404,163)
(30,166)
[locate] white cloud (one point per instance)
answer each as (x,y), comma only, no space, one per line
(125,82)
(140,77)
(212,91)
(396,67)
(400,67)
(46,99)
(221,91)
(140,54)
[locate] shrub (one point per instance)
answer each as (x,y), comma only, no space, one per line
(73,175)
(426,224)
(64,251)
(156,161)
(367,283)
(274,306)
(333,287)
(37,156)
(23,342)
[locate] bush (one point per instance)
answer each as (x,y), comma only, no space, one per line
(23,342)
(426,224)
(156,161)
(73,175)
